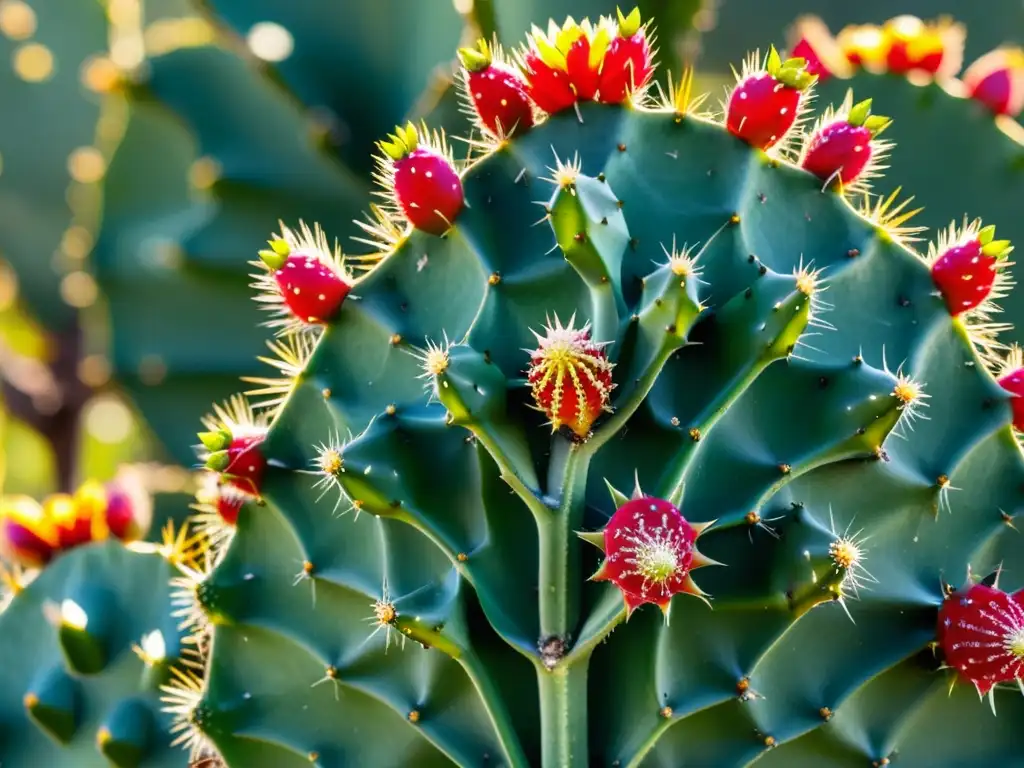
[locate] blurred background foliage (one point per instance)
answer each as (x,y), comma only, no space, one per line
(116,213)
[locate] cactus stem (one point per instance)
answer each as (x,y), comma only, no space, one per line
(563,712)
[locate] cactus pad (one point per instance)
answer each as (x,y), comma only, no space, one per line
(88,648)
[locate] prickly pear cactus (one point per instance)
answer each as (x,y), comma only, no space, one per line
(275,128)
(958,147)
(629,354)
(91,655)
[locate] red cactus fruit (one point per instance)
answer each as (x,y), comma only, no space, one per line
(426,185)
(628,63)
(843,147)
(650,549)
(77,517)
(570,376)
(27,535)
(1011,379)
(820,51)
(911,44)
(129,506)
(233,444)
(997,81)
(814,65)
(765,104)
(563,66)
(497,91)
(966,269)
(548,85)
(311,287)
(242,461)
(981,633)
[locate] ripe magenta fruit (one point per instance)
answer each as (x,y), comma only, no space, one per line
(424,181)
(966,269)
(497,92)
(650,549)
(27,535)
(843,147)
(765,104)
(232,446)
(981,633)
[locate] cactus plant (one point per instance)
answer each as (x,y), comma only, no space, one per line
(276,129)
(89,651)
(642,351)
(951,153)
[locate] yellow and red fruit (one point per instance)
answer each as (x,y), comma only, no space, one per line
(426,186)
(497,92)
(765,104)
(997,81)
(981,633)
(911,44)
(863,45)
(965,271)
(570,376)
(844,146)
(28,536)
(582,61)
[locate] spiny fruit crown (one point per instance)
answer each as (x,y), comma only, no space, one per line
(650,549)
(570,376)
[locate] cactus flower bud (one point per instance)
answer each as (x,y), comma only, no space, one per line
(571,377)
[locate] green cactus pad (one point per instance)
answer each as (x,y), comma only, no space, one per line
(953,158)
(781,356)
(85,649)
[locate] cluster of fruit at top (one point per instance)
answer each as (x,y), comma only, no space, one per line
(906,45)
(33,533)
(650,548)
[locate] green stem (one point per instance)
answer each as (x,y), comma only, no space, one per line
(563,715)
(604,311)
(494,703)
(511,476)
(555,582)
(710,416)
